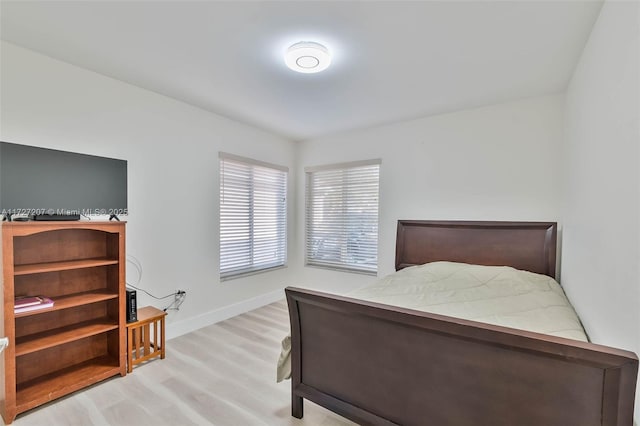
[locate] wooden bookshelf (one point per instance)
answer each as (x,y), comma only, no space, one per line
(81,339)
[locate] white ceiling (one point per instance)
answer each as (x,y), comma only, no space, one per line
(392,60)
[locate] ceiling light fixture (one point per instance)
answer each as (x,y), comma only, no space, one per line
(307,57)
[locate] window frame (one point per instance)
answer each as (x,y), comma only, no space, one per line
(339,266)
(252,269)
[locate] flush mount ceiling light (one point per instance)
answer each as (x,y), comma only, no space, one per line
(307,57)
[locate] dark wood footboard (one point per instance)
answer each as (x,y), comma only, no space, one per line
(378,364)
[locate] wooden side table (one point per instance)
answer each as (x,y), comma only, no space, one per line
(140,345)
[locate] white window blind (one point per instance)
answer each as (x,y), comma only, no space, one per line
(341,216)
(253,215)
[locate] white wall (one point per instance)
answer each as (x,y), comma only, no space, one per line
(498,162)
(601,191)
(601,182)
(172,152)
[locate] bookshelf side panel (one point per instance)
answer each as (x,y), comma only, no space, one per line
(7,359)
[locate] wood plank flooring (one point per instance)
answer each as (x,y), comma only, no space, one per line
(223,374)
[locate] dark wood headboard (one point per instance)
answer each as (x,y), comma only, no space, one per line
(530,246)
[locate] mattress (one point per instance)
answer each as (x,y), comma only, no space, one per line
(498,295)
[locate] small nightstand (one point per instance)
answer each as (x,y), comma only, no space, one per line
(140,344)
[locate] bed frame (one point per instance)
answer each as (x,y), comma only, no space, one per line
(384,365)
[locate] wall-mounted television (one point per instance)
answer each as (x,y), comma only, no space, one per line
(41,182)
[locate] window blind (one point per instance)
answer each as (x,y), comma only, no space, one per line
(253,216)
(341,216)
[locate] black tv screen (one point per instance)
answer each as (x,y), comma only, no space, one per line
(36,181)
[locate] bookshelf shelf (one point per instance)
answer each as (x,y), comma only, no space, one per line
(81,339)
(59,336)
(71,301)
(52,386)
(39,268)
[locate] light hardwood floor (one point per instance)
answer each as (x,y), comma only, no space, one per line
(223,374)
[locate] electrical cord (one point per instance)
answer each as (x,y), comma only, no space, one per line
(179,295)
(136,264)
(179,300)
(155,297)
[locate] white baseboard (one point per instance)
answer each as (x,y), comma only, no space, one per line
(191,324)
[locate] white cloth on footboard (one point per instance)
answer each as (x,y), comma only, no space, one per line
(498,295)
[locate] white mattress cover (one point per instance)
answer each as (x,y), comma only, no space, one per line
(498,295)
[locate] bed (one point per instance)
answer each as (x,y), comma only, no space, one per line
(385,365)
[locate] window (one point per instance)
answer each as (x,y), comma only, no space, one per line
(342,216)
(253,216)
